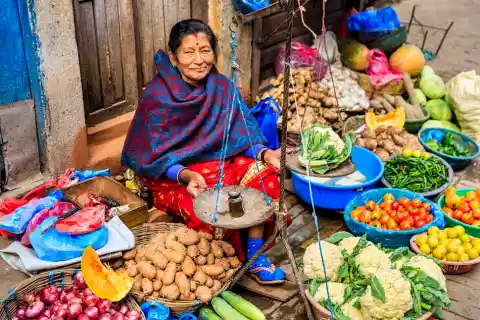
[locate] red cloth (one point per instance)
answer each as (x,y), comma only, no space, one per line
(173,198)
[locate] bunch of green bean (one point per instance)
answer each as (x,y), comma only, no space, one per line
(416,174)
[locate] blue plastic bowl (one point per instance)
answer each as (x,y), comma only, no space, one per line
(389,238)
(437,134)
(336,197)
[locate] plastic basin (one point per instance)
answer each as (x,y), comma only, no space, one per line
(337,197)
(413,126)
(471,230)
(437,134)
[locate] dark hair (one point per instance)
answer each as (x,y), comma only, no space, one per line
(188,27)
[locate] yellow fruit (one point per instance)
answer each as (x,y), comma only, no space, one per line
(439,252)
(407,152)
(421,239)
(463,257)
(444,242)
(474,241)
(425,248)
(433,230)
(472,253)
(456,241)
(452,247)
(452,233)
(464,238)
(425,155)
(477,247)
(416,153)
(460,230)
(441,235)
(432,241)
(460,250)
(467,246)
(452,256)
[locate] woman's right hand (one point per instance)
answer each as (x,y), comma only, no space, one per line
(195,182)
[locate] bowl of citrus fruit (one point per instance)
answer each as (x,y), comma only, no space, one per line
(457,251)
(462,207)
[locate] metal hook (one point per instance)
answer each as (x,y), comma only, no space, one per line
(233,24)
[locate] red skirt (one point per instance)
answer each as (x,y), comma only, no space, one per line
(173,198)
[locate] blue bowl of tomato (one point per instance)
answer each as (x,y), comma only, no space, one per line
(463,216)
(418,214)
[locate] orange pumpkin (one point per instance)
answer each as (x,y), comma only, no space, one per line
(396,118)
(102,280)
(408,58)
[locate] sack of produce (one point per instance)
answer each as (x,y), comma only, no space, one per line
(302,56)
(464,93)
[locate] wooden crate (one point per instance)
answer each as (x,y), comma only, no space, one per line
(107,187)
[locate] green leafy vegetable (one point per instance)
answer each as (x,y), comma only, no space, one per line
(313,286)
(451,144)
(400,253)
(339,236)
(377,289)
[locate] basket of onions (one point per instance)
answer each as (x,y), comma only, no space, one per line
(62,295)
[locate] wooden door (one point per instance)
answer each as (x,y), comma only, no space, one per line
(106,48)
(154,19)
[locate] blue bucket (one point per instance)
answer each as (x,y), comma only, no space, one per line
(389,238)
(455,162)
(336,197)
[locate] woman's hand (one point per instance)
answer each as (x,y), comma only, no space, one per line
(272,158)
(195,182)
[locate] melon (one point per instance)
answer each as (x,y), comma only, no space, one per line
(408,58)
(354,55)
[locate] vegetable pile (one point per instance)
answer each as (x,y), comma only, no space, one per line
(231,307)
(451,144)
(404,214)
(463,208)
(75,303)
(369,282)
(416,174)
(323,150)
(181,265)
(450,244)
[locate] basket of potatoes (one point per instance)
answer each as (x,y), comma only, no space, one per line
(177,266)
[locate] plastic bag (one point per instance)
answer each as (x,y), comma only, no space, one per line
(384,19)
(327,46)
(379,69)
(18,220)
(7,206)
(56,246)
(157,311)
(267,115)
(464,93)
(66,178)
(88,174)
(248,6)
(59,209)
(86,220)
(40,191)
(302,56)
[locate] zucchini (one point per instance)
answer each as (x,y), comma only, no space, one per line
(243,306)
(208,314)
(226,311)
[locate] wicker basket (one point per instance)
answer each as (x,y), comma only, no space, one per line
(60,278)
(393,87)
(143,234)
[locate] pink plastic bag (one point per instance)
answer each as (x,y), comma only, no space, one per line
(302,56)
(58,210)
(379,69)
(87,220)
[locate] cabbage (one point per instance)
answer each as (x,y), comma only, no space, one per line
(420,97)
(433,86)
(427,71)
(448,100)
(440,124)
(438,109)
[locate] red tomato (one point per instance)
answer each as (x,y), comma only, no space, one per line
(422,215)
(404,202)
(376,214)
(452,201)
(450,191)
(476,223)
(429,218)
(422,211)
(467,218)
(476,214)
(470,196)
(464,207)
(405,225)
(376,224)
(475,204)
(410,220)
(416,203)
(365,216)
(395,205)
(382,205)
(384,218)
(457,214)
(416,218)
(420,223)
(370,205)
(388,204)
(388,197)
(477,192)
(448,211)
(414,211)
(401,216)
(391,224)
(426,206)
(356,212)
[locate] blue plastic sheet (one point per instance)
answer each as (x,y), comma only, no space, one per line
(157,311)
(385,19)
(17,222)
(56,246)
(266,112)
(248,6)
(88,174)
(389,238)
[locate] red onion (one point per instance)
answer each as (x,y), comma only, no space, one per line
(104,305)
(46,313)
(28,298)
(83,317)
(92,312)
(123,309)
(90,300)
(76,300)
(68,297)
(111,312)
(105,316)
(61,314)
(43,318)
(20,312)
(49,294)
(34,309)
(115,306)
(118,316)
(78,281)
(74,309)
(133,315)
(17,318)
(87,292)
(62,295)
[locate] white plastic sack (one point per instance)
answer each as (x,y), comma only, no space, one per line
(464,91)
(330,46)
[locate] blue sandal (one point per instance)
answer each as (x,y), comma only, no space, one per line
(262,270)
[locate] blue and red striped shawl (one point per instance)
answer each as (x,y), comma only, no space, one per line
(178,124)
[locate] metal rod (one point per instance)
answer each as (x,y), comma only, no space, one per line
(443,38)
(411,19)
(424,39)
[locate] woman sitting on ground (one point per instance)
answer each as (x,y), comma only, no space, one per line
(175,139)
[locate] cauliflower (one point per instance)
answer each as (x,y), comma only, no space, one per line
(398,299)
(429,266)
(371,259)
(312,262)
(398,264)
(350,311)
(350,243)
(335,289)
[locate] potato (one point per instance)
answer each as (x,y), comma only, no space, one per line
(204,294)
(201,260)
(234,262)
(205,235)
(170,292)
(137,285)
(369,134)
(189,297)
(200,277)
(157,258)
(188,267)
(208,281)
(228,275)
(130,254)
(169,274)
(224,263)
(227,248)
(155,294)
(132,271)
(211,258)
(129,263)
(192,251)
(204,247)
(193,285)
(173,255)
(177,246)
(159,240)
(182,283)
(370,144)
(221,276)
(159,274)
(141,252)
(171,236)
(216,250)
(117,264)
(147,286)
(217,285)
(157,285)
(212,270)
(146,270)
(187,236)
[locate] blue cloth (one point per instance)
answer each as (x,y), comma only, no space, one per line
(267,112)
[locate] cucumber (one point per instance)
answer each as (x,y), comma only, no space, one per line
(226,311)
(243,306)
(208,314)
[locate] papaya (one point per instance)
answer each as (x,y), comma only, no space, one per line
(408,58)
(354,55)
(395,118)
(103,281)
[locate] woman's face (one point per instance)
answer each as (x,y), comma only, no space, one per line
(194,58)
